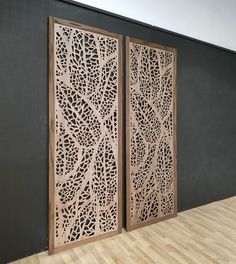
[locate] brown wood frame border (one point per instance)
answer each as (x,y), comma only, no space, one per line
(51,80)
(129,226)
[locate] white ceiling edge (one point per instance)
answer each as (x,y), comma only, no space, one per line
(212,21)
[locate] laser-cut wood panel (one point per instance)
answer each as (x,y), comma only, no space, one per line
(85,134)
(150,133)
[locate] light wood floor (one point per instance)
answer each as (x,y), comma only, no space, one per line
(203,235)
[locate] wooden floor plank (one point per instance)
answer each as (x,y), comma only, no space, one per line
(205,235)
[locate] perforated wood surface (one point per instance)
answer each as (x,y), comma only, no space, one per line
(150,124)
(84,133)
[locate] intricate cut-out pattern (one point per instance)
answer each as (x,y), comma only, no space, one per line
(151,164)
(86,119)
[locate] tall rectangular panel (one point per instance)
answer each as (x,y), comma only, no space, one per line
(85,134)
(150,133)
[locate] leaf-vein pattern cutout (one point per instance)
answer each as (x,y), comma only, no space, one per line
(151,133)
(86,84)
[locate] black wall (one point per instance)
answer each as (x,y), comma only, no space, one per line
(206,127)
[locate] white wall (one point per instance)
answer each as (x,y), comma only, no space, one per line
(212,21)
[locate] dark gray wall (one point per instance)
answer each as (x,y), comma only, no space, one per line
(206,127)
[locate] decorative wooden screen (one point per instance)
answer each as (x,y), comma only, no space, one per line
(85,134)
(150,133)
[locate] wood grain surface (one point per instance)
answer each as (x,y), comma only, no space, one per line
(205,235)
